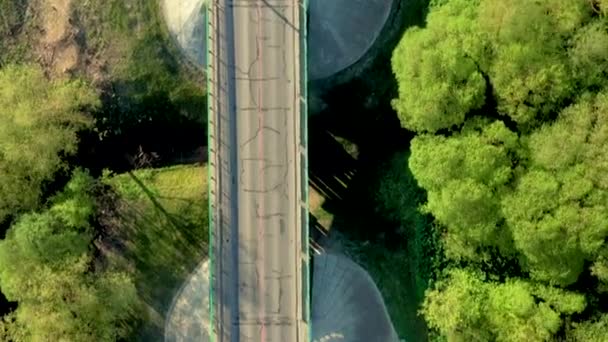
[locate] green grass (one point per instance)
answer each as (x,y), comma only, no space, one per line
(164,226)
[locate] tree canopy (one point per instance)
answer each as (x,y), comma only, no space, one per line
(509,103)
(467,307)
(46,266)
(39,121)
(532,56)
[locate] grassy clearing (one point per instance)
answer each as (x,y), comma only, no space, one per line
(350,147)
(163,220)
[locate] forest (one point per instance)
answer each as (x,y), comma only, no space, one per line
(509,106)
(477,142)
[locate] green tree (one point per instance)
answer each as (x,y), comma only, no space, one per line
(557,211)
(529,69)
(596,330)
(493,186)
(463,175)
(46,266)
(528,52)
(467,307)
(398,198)
(398,195)
(39,120)
(521,168)
(440,79)
(588,55)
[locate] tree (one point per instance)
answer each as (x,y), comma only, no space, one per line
(467,307)
(526,185)
(399,198)
(398,195)
(594,330)
(519,170)
(529,69)
(463,176)
(39,121)
(518,49)
(588,55)
(557,211)
(45,266)
(440,79)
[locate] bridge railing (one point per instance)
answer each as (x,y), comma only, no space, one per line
(306,281)
(209,8)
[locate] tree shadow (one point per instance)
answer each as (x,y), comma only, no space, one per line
(157,123)
(6,306)
(360,111)
(155,103)
(348,183)
(330,166)
(316,234)
(157,246)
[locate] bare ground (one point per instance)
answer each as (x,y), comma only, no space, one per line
(58,48)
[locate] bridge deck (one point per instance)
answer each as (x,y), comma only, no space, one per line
(256,155)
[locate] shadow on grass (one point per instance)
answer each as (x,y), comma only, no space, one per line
(360,112)
(158,247)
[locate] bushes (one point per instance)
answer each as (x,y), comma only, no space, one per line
(46,266)
(39,121)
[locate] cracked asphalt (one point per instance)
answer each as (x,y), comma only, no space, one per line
(257,181)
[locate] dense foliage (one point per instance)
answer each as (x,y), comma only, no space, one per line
(46,266)
(399,199)
(39,121)
(509,100)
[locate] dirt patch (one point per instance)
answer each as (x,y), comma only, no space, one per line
(55,14)
(59,50)
(67,58)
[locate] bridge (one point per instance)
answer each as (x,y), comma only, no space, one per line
(258,170)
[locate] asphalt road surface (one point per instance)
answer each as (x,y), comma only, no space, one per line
(256,183)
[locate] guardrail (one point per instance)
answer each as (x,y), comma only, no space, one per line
(306,276)
(209,8)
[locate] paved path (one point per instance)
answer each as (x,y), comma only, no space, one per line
(257,184)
